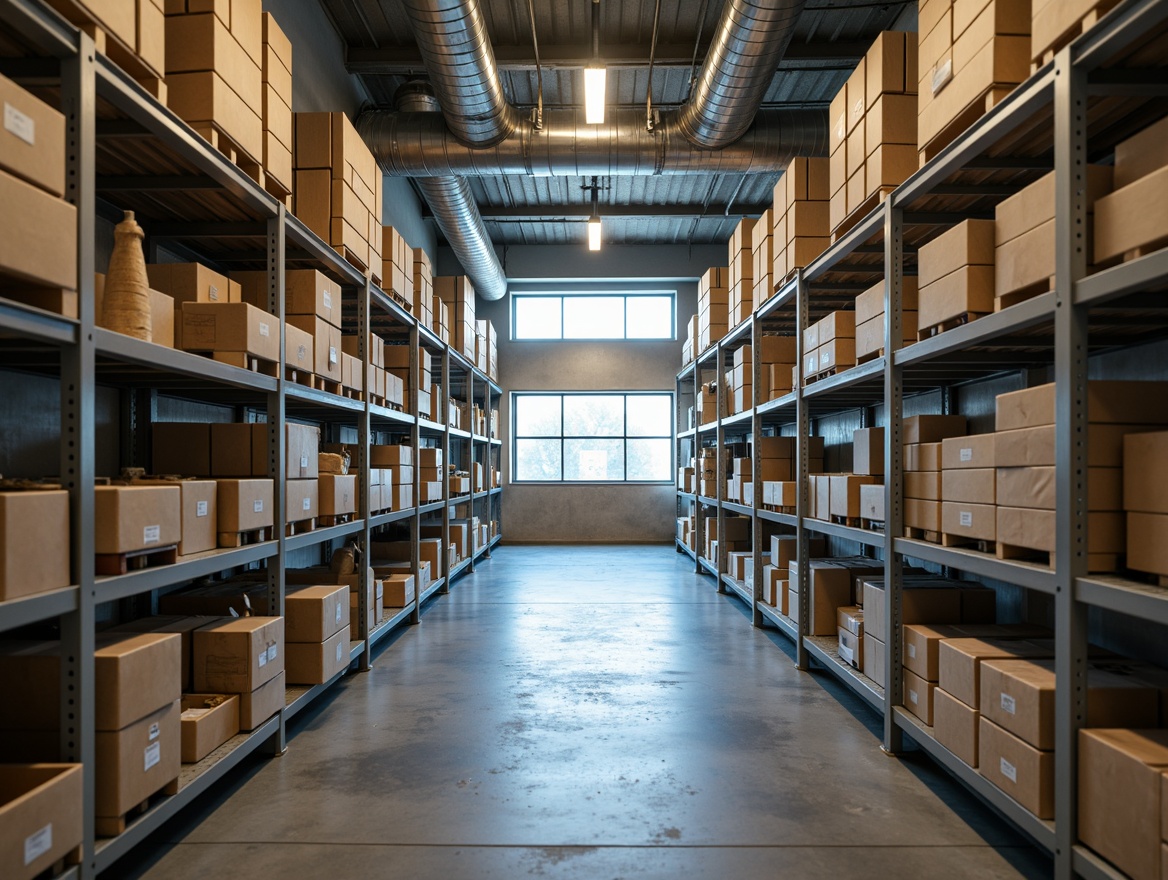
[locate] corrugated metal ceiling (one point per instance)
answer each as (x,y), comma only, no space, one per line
(516,210)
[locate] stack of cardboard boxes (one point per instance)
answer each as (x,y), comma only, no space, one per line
(1144,500)
(800,215)
(213,76)
(1133,220)
(38,255)
(34,793)
(432,475)
(741,279)
(34,518)
(338,191)
(338,492)
(955,273)
(243,656)
(873,137)
(923,436)
(397,484)
(829,345)
(968,490)
(423,288)
(972,54)
(870,318)
(762,256)
(713,306)
(458,294)
(182,283)
(277,110)
(397,266)
(316,620)
(133,34)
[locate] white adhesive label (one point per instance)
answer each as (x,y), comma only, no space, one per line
(264,331)
(327,298)
(212,293)
(302,353)
(340,613)
(257,506)
(152,755)
(942,74)
(340,650)
(20,124)
(825,359)
(151,534)
(1009,704)
(303,461)
(39,842)
(912,695)
(1009,770)
(154,732)
(912,651)
(200,508)
(332,354)
(271,653)
(262,659)
(967,453)
(966,518)
(307,504)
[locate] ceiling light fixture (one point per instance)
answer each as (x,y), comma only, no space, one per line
(594,227)
(595,75)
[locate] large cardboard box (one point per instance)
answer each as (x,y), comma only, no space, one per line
(236,656)
(301,500)
(1121,803)
(244,505)
(959,662)
(1132,218)
(955,726)
(193,282)
(34,532)
(230,327)
(1141,154)
(201,42)
(256,707)
(42,247)
(314,614)
(327,343)
(133,763)
(204,728)
(32,141)
(128,518)
(1023,772)
(135,674)
(205,98)
(1145,473)
(182,625)
(309,663)
(919,696)
(1147,542)
(1108,402)
(932,429)
(40,817)
(875,664)
(1035,487)
(338,494)
(302,448)
(397,589)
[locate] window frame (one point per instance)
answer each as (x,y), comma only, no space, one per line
(624,437)
(623,293)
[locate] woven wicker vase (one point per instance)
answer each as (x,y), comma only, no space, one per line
(126,307)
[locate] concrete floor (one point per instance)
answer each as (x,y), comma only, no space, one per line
(587,712)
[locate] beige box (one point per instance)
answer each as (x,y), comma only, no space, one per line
(42,247)
(338,494)
(1034,447)
(1147,542)
(891,65)
(1141,154)
(918,696)
(38,521)
(932,429)
(1035,487)
(1035,530)
(128,518)
(922,514)
(32,141)
(135,762)
(969,485)
(969,289)
(1023,772)
(135,675)
(875,666)
(1108,402)
(244,506)
(972,451)
(204,728)
(872,502)
(969,243)
(313,664)
(316,613)
(1145,476)
(203,98)
(301,500)
(955,726)
(959,662)
(868,451)
(923,485)
(40,817)
(236,656)
(1132,218)
(201,42)
(844,499)
(256,707)
(230,327)
(199,517)
(975,521)
(327,344)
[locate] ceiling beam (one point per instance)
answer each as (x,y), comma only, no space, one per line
(404,60)
(551,213)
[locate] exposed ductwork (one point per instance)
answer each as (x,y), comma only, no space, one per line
(455,209)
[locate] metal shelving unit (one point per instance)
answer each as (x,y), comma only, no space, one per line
(1070,111)
(83,356)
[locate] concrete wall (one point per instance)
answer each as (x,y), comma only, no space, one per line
(581,513)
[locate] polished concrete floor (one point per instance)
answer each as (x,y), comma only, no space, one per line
(595,712)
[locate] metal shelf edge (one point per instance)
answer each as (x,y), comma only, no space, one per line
(1022,574)
(1130,277)
(847,533)
(1017,317)
(319,536)
(37,607)
(785,625)
(849,676)
(38,324)
(1145,601)
(123,586)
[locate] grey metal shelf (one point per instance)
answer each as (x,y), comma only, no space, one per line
(1091,866)
(433,587)
(1023,315)
(158,358)
(298,697)
(302,394)
(319,536)
(1141,274)
(774,407)
(707,500)
(737,588)
(41,606)
(825,649)
(786,519)
(869,373)
(432,507)
(135,583)
(384,413)
(744,509)
(1114,593)
(433,427)
(391,623)
(384,519)
(687,433)
(36,324)
(685,548)
(1022,574)
(847,533)
(738,420)
(708,566)
(785,625)
(1040,831)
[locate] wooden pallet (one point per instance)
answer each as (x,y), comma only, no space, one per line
(922,535)
(300,527)
(871,525)
(352,393)
(353,259)
(135,560)
(951,324)
(246,361)
(1013,297)
(850,521)
(57,868)
(112,826)
(1041,55)
(107,43)
(982,546)
(320,383)
(774,508)
(971,113)
(860,212)
(1013,551)
(869,356)
(298,377)
(337,519)
(251,536)
(277,190)
(827,374)
(213,134)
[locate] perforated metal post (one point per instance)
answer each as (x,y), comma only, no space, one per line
(78,439)
(1070,367)
(413,387)
(277,453)
(802,444)
(444,414)
(365,510)
(756,473)
(720,446)
(893,461)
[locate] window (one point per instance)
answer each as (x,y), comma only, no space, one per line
(545,316)
(592,438)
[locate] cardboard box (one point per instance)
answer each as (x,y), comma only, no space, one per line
(259,705)
(327,344)
(923,485)
(316,613)
(969,486)
(128,518)
(875,664)
(918,696)
(32,141)
(182,625)
(135,762)
(932,429)
(338,494)
(969,289)
(1023,772)
(974,521)
(868,451)
(955,726)
(872,502)
(317,663)
(973,451)
(39,521)
(135,675)
(1132,218)
(1108,402)
(244,506)
(204,728)
(301,448)
(851,648)
(1121,804)
(1035,487)
(845,494)
(969,243)
(1018,695)
(197,43)
(299,348)
(830,586)
(301,500)
(1145,477)
(1035,530)
(42,247)
(236,656)
(1147,542)
(41,814)
(1034,447)
(230,327)
(1141,154)
(203,98)
(920,514)
(397,589)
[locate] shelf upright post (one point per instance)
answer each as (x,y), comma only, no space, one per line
(893,455)
(444,414)
(696,445)
(277,466)
(470,405)
(1070,369)
(802,452)
(365,511)
(78,438)
(756,472)
(719,559)
(413,387)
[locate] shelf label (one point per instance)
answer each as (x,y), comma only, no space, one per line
(22,126)
(151,534)
(967,453)
(302,353)
(271,653)
(966,518)
(152,755)
(912,695)
(155,732)
(326,299)
(258,505)
(340,650)
(212,293)
(332,354)
(340,611)
(39,842)
(264,331)
(200,508)
(942,74)
(303,461)
(1009,704)
(307,504)
(912,652)
(1009,770)
(262,659)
